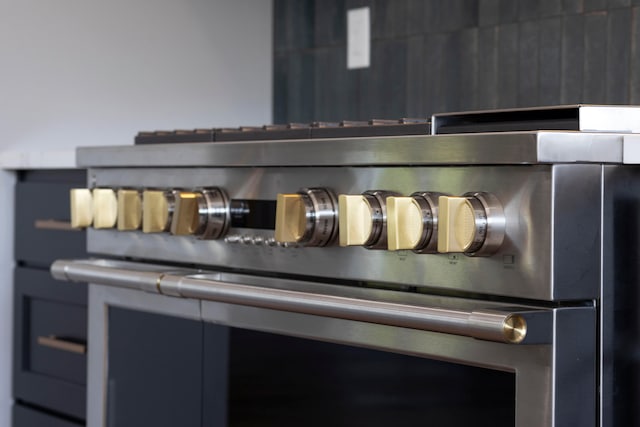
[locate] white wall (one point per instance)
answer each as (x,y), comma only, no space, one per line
(87,72)
(95,72)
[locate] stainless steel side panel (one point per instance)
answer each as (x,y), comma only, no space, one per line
(551,250)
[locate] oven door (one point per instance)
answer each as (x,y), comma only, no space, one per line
(547,353)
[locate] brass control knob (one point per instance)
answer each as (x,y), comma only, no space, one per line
(363,219)
(203,213)
(157,210)
(412,222)
(356,221)
(186,219)
(291,217)
(308,217)
(473,224)
(81,207)
(129,210)
(105,208)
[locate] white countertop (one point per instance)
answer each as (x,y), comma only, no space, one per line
(40,159)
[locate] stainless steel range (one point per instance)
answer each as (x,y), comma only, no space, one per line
(490,243)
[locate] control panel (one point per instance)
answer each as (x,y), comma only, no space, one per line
(455,228)
(426,222)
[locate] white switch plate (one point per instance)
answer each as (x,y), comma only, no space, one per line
(358,38)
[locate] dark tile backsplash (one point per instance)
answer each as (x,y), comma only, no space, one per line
(618,53)
(508,38)
(550,61)
(634,90)
(431,56)
(572,66)
(595,58)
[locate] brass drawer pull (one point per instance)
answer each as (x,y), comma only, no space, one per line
(54,224)
(59,344)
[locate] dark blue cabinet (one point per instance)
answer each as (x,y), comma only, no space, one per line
(50,317)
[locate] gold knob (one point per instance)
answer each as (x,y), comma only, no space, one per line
(355,220)
(186,219)
(81,207)
(129,210)
(155,211)
(404,223)
(291,218)
(105,208)
(457,224)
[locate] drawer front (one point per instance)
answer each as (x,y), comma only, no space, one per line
(42,224)
(57,339)
(50,360)
(27,417)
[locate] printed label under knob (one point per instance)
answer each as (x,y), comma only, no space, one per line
(473,224)
(308,217)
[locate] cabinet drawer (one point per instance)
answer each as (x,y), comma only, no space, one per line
(27,417)
(42,224)
(57,339)
(50,359)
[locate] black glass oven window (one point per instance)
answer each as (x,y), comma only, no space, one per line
(283,381)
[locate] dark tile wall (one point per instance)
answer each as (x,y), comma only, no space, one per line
(432,56)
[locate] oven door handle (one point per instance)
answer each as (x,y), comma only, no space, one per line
(513,326)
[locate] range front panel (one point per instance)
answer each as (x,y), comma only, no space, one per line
(549,250)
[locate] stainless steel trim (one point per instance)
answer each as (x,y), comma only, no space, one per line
(465,149)
(433,319)
(143,277)
(492,325)
(591,118)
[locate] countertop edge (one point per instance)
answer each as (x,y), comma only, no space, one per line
(41,159)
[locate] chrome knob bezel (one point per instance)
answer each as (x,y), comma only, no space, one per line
(377,200)
(321,212)
(490,224)
(213,213)
(429,204)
